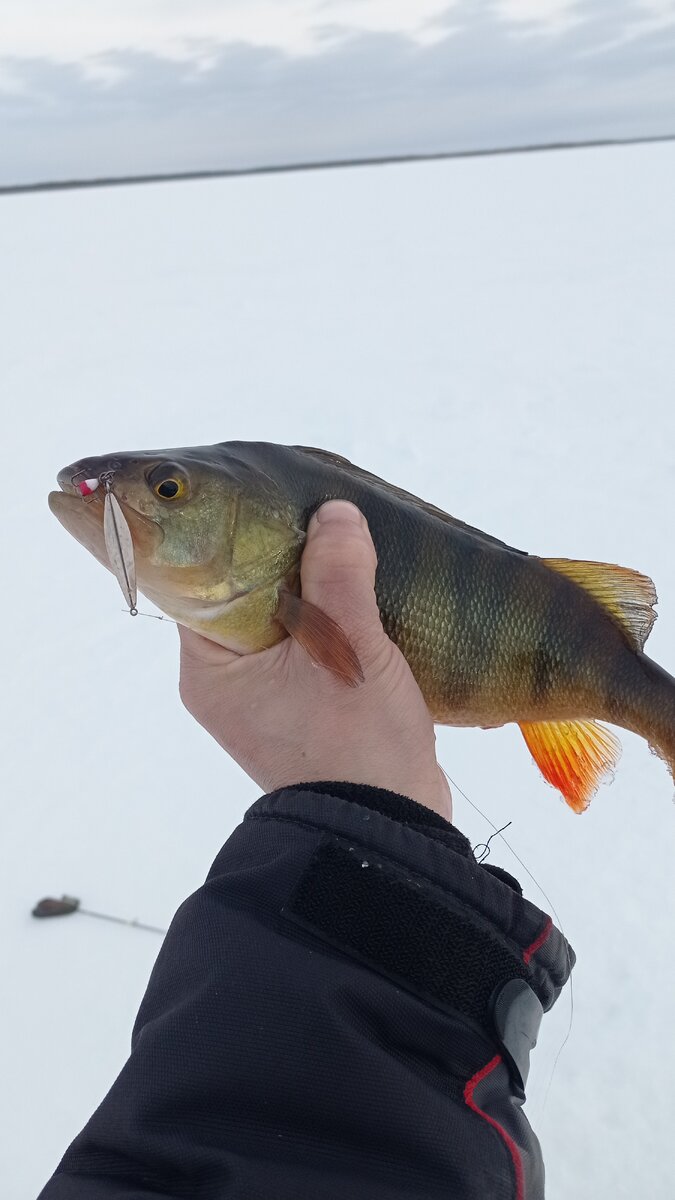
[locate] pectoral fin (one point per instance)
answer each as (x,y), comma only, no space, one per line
(573,756)
(320,636)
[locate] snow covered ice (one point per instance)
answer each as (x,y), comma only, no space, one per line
(495,336)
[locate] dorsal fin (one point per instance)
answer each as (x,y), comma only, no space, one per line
(626,595)
(381,485)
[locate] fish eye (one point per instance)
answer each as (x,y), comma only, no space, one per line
(168,481)
(169,489)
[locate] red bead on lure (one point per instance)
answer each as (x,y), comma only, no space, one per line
(88,486)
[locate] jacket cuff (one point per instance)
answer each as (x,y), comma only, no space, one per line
(408,812)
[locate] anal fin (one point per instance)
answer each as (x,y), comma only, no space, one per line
(320,636)
(573,756)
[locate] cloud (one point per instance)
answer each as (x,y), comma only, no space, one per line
(483,81)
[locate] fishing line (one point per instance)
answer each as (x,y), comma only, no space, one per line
(499,833)
(485,852)
(152,616)
(131,921)
(49,907)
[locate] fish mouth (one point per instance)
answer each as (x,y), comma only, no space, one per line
(66,480)
(82,515)
(87,471)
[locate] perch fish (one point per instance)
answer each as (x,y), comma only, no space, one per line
(492,634)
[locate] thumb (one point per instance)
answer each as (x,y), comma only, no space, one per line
(338,565)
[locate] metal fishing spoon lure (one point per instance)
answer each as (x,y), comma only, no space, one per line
(119,545)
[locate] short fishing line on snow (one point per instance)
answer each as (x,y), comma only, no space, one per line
(500,833)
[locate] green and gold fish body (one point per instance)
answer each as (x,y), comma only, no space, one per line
(492,634)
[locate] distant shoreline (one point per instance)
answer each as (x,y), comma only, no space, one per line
(63,185)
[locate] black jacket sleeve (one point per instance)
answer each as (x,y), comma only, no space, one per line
(344,1010)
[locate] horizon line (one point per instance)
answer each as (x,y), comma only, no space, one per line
(375,160)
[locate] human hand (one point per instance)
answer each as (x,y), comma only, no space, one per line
(287,721)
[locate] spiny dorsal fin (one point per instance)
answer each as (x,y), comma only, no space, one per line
(573,756)
(625,594)
(345,467)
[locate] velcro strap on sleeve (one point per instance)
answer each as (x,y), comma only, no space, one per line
(406,928)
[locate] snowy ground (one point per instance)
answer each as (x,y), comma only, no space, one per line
(493,335)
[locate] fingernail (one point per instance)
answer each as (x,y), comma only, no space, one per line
(338,510)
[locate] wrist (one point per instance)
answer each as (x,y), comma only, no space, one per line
(428,789)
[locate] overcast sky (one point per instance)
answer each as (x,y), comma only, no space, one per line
(128,86)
